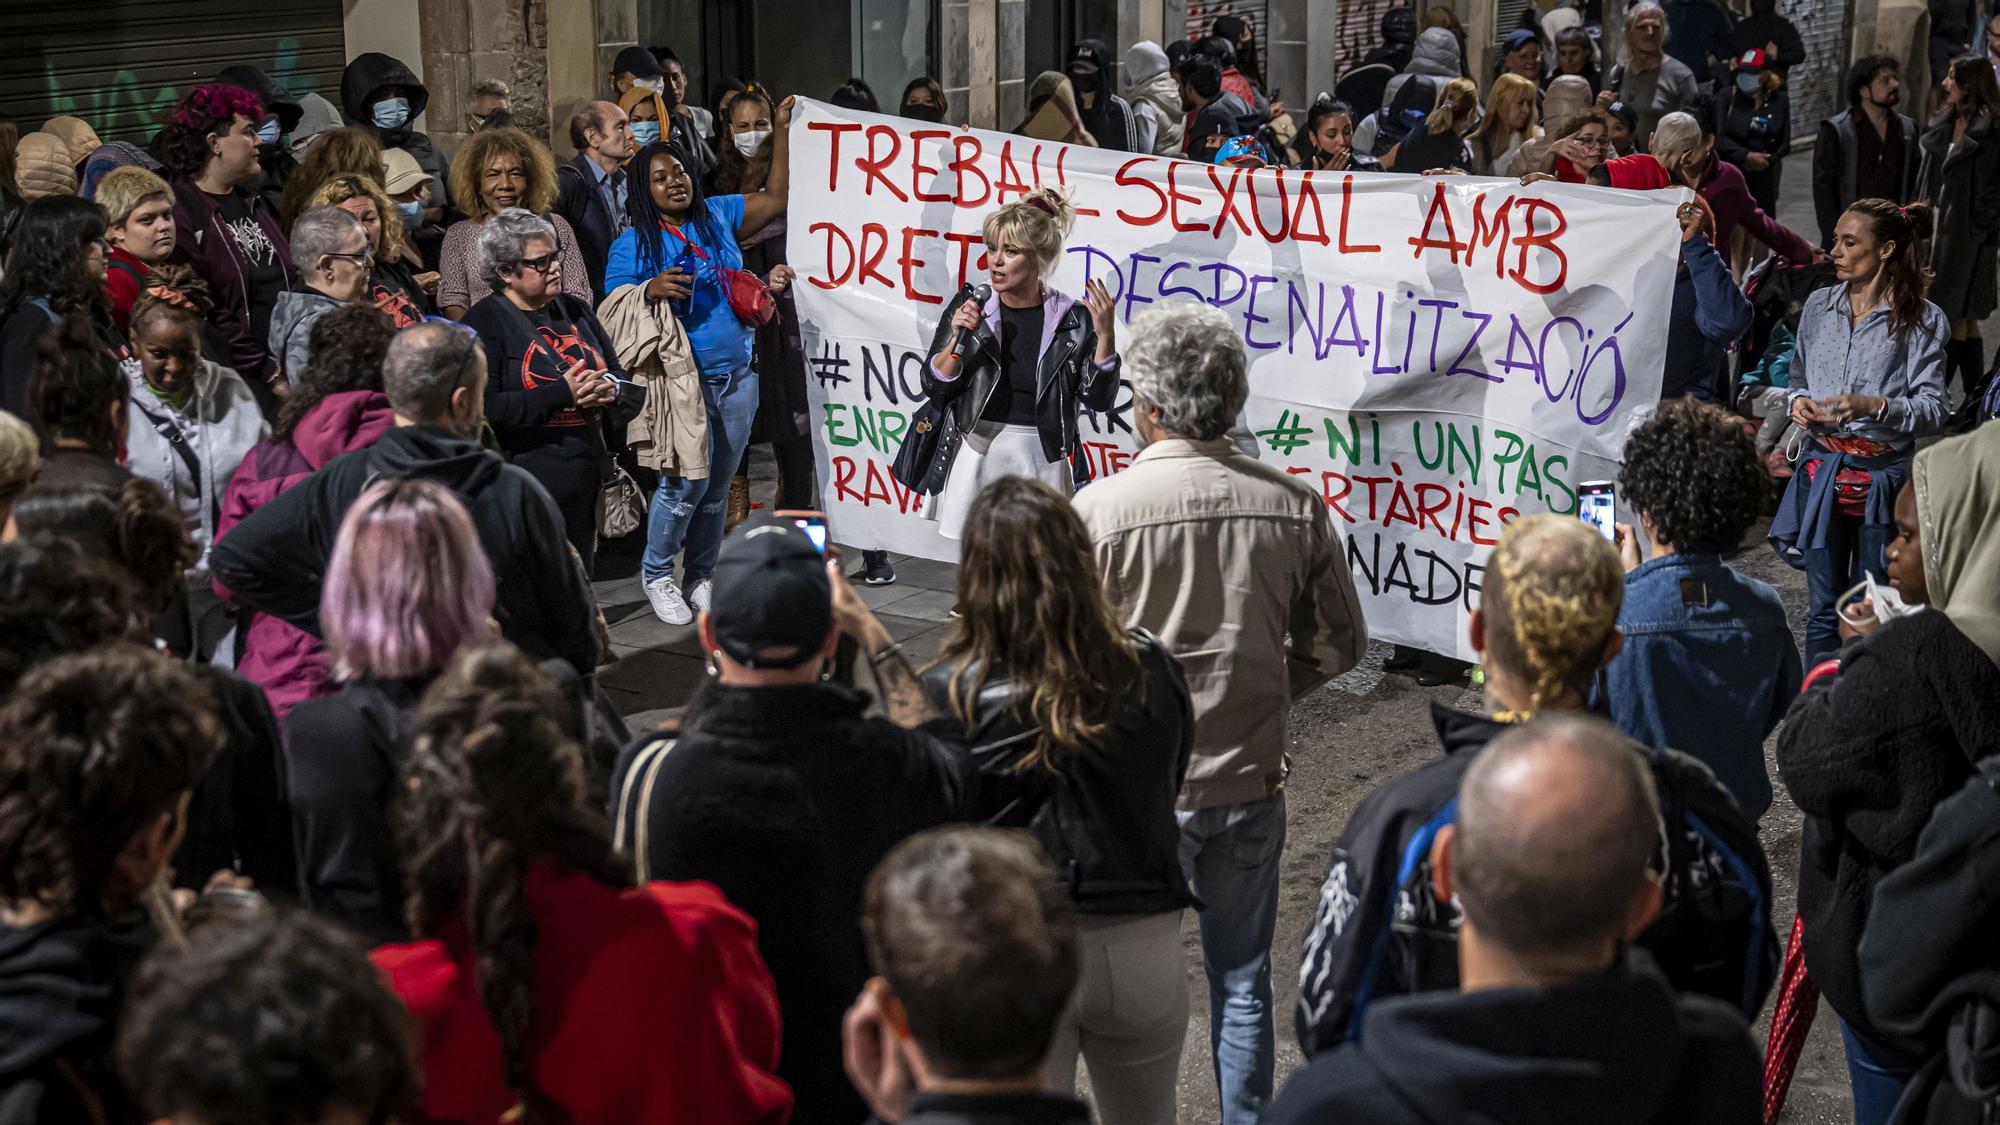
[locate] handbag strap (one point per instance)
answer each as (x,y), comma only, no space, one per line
(644,772)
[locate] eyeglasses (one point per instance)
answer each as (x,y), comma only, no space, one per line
(360,257)
(543,265)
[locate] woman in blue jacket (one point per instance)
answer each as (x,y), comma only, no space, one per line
(680,246)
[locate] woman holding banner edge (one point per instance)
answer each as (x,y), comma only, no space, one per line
(1014,361)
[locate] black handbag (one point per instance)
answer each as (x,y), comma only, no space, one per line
(929,444)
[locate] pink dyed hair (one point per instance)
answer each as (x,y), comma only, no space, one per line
(209,109)
(408,584)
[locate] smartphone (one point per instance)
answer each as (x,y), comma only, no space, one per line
(812,523)
(1597,505)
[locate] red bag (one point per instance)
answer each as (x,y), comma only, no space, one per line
(745,291)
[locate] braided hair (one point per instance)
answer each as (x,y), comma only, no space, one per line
(495,784)
(1550,604)
(647,218)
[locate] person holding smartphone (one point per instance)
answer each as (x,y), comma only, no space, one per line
(1868,379)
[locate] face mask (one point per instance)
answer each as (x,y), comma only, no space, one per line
(392,113)
(1084,83)
(411,213)
(923,112)
(646,132)
(267,133)
(656,85)
(1747,83)
(746,143)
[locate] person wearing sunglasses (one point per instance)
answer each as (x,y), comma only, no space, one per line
(335,260)
(553,377)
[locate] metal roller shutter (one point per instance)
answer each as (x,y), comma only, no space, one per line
(1816,83)
(122,64)
(1359,31)
(1201,16)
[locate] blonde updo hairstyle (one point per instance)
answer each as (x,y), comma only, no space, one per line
(1550,605)
(1038,222)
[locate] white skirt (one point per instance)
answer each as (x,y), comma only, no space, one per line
(992,451)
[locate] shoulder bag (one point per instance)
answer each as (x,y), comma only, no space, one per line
(745,291)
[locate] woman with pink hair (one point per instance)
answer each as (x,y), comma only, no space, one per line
(226,231)
(407,587)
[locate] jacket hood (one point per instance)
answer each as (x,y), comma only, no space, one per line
(1144,61)
(1957,485)
(370,72)
(77,136)
(316,116)
(342,423)
(62,982)
(277,100)
(1463,730)
(1436,54)
(294,306)
(43,167)
(435,453)
(1598,1049)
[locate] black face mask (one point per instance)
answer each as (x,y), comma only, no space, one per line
(921,112)
(1084,83)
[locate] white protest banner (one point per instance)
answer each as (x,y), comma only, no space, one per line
(1436,356)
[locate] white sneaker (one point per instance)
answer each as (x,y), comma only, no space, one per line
(698,597)
(668,604)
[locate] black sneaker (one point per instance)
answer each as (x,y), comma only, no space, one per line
(875,569)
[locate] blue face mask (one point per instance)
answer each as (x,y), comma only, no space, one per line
(392,113)
(646,132)
(411,213)
(1747,83)
(267,133)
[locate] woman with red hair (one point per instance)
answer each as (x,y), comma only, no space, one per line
(227,232)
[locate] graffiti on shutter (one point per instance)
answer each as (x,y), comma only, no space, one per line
(1201,16)
(1816,83)
(1359,31)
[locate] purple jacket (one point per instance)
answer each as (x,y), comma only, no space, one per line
(205,242)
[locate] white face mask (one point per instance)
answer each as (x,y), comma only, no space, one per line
(746,143)
(656,85)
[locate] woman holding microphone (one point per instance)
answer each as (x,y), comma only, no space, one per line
(1872,352)
(1013,363)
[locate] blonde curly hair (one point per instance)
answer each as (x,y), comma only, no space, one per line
(1550,603)
(342,188)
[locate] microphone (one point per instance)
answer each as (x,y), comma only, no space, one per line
(963,340)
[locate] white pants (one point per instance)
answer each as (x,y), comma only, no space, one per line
(1128,1019)
(992,451)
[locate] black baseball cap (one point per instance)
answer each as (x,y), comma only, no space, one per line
(637,62)
(1081,57)
(1625,112)
(771,592)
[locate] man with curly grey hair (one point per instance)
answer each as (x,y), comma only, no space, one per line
(1267,613)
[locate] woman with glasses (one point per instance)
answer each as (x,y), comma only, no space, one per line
(553,381)
(397,287)
(336,261)
(496,169)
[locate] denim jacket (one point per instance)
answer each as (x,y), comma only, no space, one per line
(1708,668)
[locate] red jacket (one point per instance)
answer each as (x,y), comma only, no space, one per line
(287,662)
(121,287)
(651,1006)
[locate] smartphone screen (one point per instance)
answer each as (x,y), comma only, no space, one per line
(1597,505)
(812,523)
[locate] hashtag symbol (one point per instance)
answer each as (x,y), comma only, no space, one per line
(827,366)
(1289,434)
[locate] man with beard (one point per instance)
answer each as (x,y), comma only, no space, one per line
(1867,151)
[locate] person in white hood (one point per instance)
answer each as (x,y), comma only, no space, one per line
(1436,55)
(1155,95)
(190,423)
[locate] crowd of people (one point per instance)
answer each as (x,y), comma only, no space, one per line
(311,809)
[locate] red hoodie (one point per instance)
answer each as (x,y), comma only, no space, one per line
(286,661)
(652,1006)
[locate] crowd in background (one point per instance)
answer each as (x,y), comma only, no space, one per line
(311,808)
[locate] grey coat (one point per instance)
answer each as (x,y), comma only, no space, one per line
(292,320)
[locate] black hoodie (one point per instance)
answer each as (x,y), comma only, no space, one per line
(275,560)
(366,76)
(62,985)
(1109,117)
(1618,1046)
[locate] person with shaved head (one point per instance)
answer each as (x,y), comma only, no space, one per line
(1554,1019)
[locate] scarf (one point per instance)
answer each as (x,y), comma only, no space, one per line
(1958,487)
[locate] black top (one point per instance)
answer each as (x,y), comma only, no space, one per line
(62,986)
(527,399)
(1013,402)
(394,291)
(1878,160)
(995,1109)
(267,269)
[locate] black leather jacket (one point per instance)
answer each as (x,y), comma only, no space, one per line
(1107,818)
(1068,379)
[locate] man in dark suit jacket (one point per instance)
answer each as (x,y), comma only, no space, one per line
(592,187)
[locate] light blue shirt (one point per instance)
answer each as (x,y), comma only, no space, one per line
(611,188)
(1905,369)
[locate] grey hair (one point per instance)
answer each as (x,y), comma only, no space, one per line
(1675,136)
(1633,13)
(501,239)
(1187,359)
(425,364)
(319,232)
(490,88)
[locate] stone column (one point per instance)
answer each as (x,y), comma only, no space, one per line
(584,36)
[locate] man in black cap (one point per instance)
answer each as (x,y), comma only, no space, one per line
(776,787)
(1105,114)
(640,66)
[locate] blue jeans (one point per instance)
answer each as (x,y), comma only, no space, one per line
(690,513)
(1876,1074)
(1851,547)
(1231,856)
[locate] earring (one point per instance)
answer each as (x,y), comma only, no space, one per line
(825,671)
(714,669)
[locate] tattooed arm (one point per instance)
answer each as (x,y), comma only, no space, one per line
(902,694)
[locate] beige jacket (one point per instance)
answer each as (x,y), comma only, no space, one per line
(1235,565)
(671,432)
